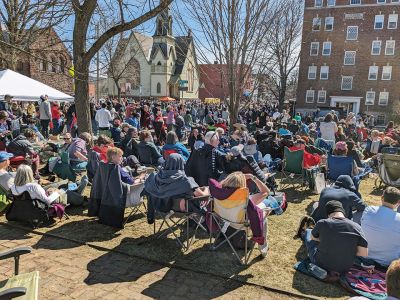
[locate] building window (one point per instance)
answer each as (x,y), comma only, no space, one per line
(370,98)
(331,2)
(392,21)
(158,88)
(321,96)
(324,73)
(389,48)
(314,48)
(347,83)
(352,33)
(316,24)
(318,3)
(43,65)
(310,96)
(329,23)
(376,47)
(379,20)
(387,73)
(312,72)
(383,98)
(349,58)
(380,1)
(54,65)
(62,65)
(20,66)
(381,119)
(355,2)
(190,78)
(326,48)
(373,73)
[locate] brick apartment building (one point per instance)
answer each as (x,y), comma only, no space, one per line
(350,57)
(49,62)
(214,81)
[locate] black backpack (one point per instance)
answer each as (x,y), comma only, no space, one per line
(28,211)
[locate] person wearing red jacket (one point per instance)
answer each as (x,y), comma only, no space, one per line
(56,115)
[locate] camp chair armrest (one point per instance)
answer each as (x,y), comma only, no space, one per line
(199,198)
(15,252)
(12,293)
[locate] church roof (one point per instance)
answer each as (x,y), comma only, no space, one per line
(146,43)
(181,46)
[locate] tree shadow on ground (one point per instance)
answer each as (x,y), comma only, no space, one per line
(81,231)
(310,286)
(13,233)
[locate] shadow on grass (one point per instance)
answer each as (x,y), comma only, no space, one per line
(13,233)
(82,231)
(310,286)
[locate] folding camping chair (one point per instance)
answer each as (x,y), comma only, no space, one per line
(292,166)
(24,286)
(178,219)
(63,168)
(135,201)
(232,213)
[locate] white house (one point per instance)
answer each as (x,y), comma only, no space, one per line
(156,66)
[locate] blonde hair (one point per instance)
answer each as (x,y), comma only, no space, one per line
(393,279)
(24,175)
(374,133)
(340,130)
(113,152)
(220,131)
(234,180)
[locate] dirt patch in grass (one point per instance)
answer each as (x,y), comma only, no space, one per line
(276,270)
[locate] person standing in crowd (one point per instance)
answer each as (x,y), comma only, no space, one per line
(56,115)
(328,129)
(45,115)
(103,117)
(170,118)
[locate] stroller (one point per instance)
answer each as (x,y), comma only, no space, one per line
(389,170)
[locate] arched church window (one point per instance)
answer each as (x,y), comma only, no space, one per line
(62,64)
(158,88)
(54,66)
(159,63)
(159,27)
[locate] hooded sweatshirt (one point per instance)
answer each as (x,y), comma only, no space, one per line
(343,191)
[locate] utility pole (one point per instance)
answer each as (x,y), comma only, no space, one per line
(98,65)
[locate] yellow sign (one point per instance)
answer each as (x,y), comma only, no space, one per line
(71,71)
(212,100)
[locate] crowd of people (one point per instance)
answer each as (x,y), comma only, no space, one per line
(191,144)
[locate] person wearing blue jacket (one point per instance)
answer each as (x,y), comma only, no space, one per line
(173,146)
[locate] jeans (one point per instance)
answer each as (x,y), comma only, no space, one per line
(311,245)
(56,127)
(78,165)
(45,127)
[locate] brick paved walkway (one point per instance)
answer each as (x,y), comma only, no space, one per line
(73,271)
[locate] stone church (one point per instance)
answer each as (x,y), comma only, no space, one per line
(154,67)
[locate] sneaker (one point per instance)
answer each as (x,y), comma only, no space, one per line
(263,249)
(305,223)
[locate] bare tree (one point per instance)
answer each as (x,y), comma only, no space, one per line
(283,48)
(118,60)
(23,22)
(86,12)
(233,32)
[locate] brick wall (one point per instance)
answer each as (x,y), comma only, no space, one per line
(362,16)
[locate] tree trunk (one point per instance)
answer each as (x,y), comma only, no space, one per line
(82,98)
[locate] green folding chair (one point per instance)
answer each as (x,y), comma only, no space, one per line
(21,286)
(292,168)
(4,200)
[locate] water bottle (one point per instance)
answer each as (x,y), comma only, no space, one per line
(317,271)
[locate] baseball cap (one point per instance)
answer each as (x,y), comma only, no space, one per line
(5,156)
(334,206)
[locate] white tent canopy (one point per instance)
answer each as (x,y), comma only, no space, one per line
(23,88)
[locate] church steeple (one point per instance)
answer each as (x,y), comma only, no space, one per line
(164,23)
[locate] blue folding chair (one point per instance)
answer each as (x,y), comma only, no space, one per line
(339,165)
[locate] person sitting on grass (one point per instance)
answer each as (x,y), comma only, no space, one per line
(381,225)
(77,151)
(283,130)
(22,146)
(103,143)
(344,191)
(334,243)
(172,145)
(149,153)
(6,177)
